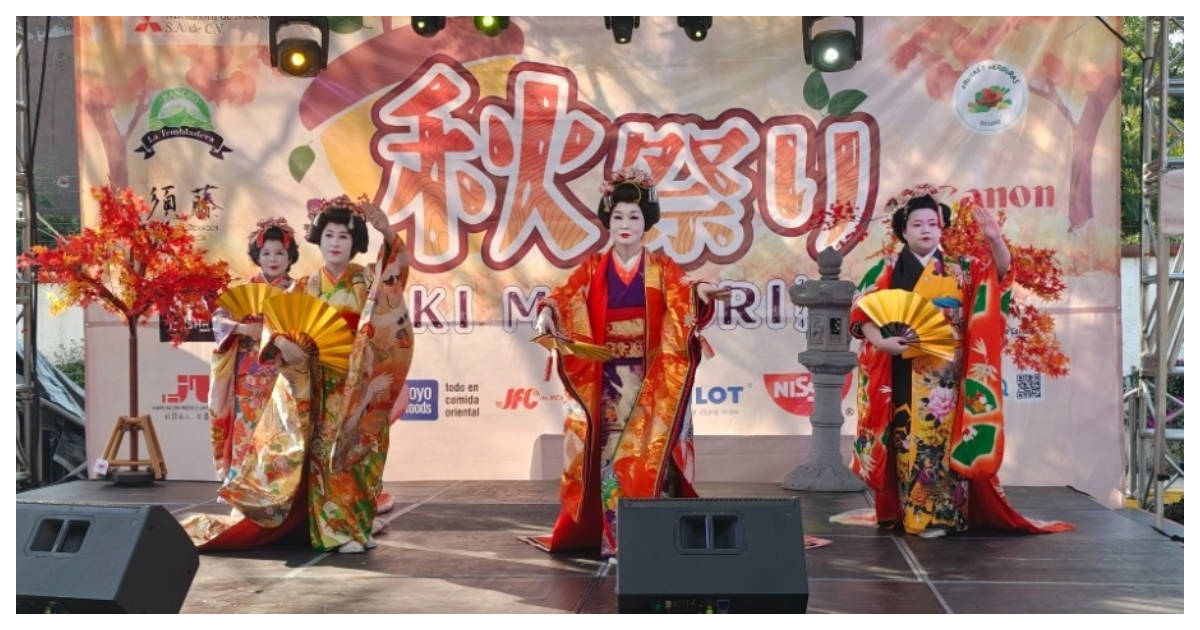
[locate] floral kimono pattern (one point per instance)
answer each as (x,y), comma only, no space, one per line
(628,428)
(320,445)
(238,388)
(930,433)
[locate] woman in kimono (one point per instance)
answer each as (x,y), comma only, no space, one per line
(930,431)
(320,445)
(628,429)
(240,384)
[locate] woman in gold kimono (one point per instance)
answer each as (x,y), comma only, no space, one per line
(628,429)
(321,443)
(930,432)
(240,385)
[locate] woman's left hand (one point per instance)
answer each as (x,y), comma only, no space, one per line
(987,224)
(377,218)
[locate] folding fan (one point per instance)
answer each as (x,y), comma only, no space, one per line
(588,351)
(301,314)
(900,313)
(246,300)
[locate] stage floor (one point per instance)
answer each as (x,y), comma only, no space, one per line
(452,547)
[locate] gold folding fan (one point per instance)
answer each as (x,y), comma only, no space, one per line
(588,351)
(903,313)
(302,314)
(245,300)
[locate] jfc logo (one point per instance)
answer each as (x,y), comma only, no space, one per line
(525,398)
(181,113)
(189,384)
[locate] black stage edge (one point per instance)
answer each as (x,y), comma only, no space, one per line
(452,547)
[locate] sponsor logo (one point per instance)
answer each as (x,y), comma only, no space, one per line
(793,392)
(188,386)
(197,330)
(422,400)
(147,25)
(718,395)
(525,398)
(990,96)
(181,113)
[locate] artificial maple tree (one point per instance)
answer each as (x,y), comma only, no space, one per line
(133,267)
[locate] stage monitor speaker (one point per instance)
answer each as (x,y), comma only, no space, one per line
(710,556)
(92,558)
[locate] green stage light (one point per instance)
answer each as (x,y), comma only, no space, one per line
(490,25)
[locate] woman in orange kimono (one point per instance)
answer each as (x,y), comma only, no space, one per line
(240,384)
(628,428)
(321,443)
(930,431)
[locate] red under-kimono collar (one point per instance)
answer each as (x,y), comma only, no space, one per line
(282,281)
(626,274)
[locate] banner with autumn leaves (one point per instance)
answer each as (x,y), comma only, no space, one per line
(488,153)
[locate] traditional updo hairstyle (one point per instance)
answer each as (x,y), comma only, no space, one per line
(273,230)
(629,185)
(900,216)
(342,214)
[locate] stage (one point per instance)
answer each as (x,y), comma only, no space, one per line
(452,547)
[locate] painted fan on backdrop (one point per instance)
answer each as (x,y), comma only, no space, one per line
(246,300)
(900,313)
(298,314)
(588,351)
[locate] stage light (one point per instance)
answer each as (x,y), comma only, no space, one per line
(695,27)
(299,56)
(428,26)
(832,50)
(622,27)
(490,25)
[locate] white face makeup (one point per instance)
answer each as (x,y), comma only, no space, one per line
(627,225)
(336,244)
(923,230)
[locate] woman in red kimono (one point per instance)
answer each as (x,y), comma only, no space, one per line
(628,429)
(930,431)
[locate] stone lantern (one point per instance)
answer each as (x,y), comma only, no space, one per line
(829,359)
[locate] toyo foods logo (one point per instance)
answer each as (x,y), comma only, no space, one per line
(990,97)
(181,113)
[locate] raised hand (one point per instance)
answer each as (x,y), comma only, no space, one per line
(987,223)
(377,218)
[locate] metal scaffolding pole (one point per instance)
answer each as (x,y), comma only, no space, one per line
(29,469)
(1161,269)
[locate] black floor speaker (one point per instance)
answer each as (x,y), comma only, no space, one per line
(710,556)
(90,559)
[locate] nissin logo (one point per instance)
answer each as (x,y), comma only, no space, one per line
(422,400)
(717,395)
(793,392)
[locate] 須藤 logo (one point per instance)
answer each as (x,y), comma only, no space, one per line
(181,113)
(187,384)
(990,96)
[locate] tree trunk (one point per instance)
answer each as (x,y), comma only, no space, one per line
(1080,209)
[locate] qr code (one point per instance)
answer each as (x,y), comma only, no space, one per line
(1029,386)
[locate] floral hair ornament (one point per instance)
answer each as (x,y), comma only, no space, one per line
(317,207)
(908,194)
(273,222)
(635,175)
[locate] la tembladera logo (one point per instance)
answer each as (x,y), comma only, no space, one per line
(990,97)
(181,113)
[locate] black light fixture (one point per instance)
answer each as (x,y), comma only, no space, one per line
(695,27)
(491,25)
(299,56)
(428,26)
(832,50)
(622,27)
